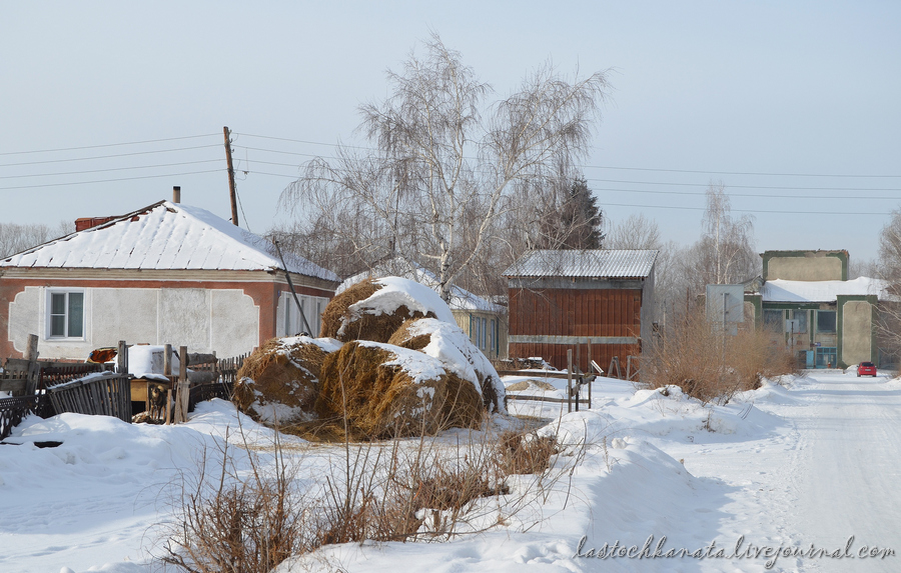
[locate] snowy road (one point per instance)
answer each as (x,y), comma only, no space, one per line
(830,472)
(848,469)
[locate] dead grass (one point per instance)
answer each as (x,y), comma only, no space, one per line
(233,519)
(404,338)
(525,453)
(339,322)
(696,356)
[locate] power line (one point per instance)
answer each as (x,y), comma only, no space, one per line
(104,145)
(106,156)
(760,173)
(110,180)
(111,169)
(730,186)
(765,211)
(648,169)
(756,195)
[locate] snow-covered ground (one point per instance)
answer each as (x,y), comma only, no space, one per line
(658,482)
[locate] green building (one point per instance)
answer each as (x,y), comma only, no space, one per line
(804,298)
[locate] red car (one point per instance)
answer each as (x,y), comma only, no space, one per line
(866,369)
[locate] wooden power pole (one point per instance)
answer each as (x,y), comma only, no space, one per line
(231,175)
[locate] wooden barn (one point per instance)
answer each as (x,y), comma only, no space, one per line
(599,303)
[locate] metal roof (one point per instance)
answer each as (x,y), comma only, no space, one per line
(584,264)
(164,236)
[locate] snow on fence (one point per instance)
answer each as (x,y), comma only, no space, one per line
(101,393)
(13,411)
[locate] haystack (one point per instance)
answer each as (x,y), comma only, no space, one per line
(449,344)
(374,309)
(385,391)
(279,382)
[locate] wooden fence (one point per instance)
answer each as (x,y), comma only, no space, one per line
(106,393)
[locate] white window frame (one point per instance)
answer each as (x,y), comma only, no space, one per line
(290,320)
(48,313)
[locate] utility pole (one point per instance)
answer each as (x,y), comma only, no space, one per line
(231,174)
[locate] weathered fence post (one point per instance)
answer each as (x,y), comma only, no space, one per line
(183,391)
(122,358)
(167,371)
(589,371)
(34,371)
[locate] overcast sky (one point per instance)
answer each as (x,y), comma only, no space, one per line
(794,106)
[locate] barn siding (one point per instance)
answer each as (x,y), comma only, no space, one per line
(575,313)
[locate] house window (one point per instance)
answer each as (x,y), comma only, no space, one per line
(825,321)
(66,314)
(772,319)
(798,324)
(312,311)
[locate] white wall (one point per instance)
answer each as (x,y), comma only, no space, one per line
(205,320)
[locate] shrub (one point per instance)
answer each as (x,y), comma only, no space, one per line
(709,365)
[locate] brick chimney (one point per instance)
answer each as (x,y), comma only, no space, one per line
(83,223)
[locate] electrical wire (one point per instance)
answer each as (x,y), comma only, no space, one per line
(107,156)
(110,169)
(105,145)
(111,180)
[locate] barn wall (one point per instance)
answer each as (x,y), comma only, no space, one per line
(546,322)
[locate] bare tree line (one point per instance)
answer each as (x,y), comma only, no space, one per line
(15,237)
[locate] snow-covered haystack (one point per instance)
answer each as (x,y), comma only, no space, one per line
(381,390)
(448,343)
(375,309)
(278,382)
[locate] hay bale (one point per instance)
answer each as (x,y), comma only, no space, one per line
(449,344)
(375,309)
(278,383)
(385,391)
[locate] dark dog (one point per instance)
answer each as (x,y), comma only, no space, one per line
(158,394)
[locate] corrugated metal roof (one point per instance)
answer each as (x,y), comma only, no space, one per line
(164,236)
(584,264)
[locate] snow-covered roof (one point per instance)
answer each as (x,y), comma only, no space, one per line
(460,299)
(821,291)
(599,263)
(164,236)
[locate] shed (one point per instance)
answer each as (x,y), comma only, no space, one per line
(167,273)
(601,301)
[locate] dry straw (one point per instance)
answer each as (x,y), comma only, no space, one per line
(339,321)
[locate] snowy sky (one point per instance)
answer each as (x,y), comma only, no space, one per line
(793,106)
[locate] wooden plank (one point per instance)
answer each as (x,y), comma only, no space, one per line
(525,398)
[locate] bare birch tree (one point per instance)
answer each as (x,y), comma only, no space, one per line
(635,232)
(444,160)
(888,267)
(725,252)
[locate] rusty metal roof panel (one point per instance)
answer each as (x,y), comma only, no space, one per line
(584,264)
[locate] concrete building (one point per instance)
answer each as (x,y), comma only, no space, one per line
(807,303)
